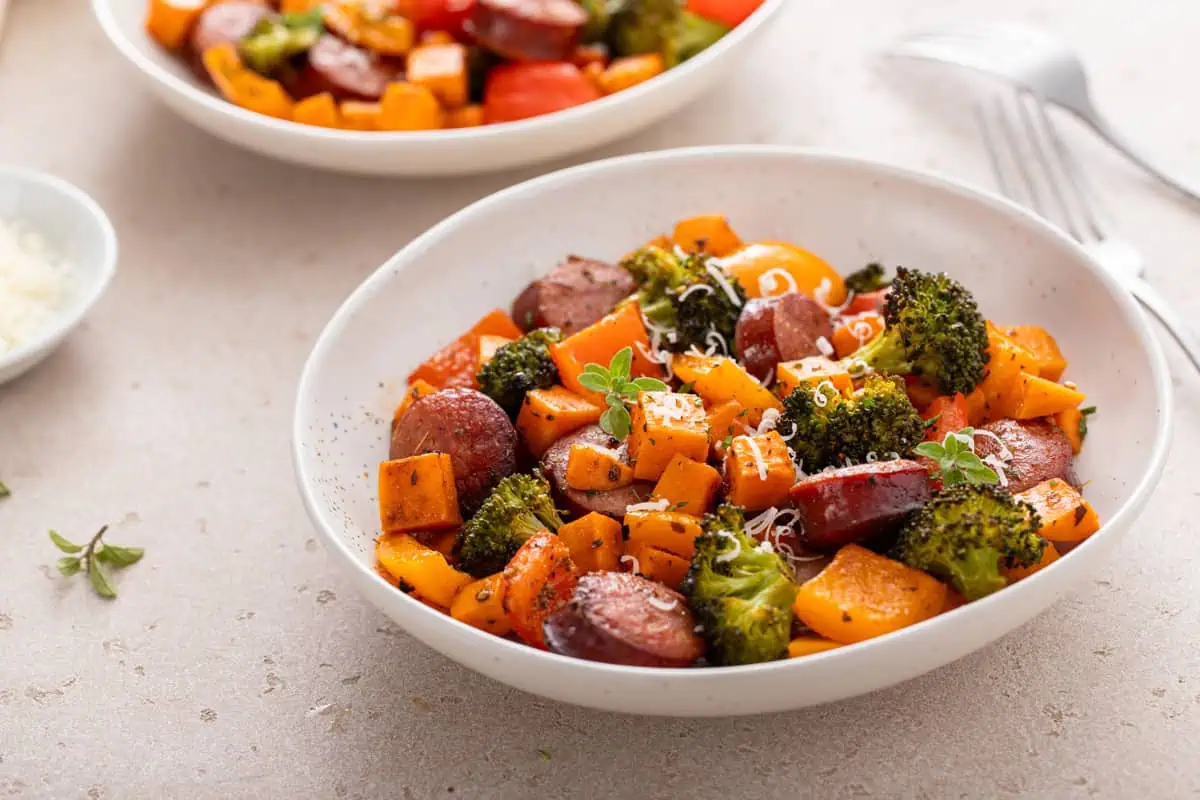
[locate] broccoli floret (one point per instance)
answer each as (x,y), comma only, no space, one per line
(519,367)
(934,330)
(517,508)
(870,278)
(667,297)
(741,595)
(830,429)
(646,26)
(277,38)
(966,533)
(695,34)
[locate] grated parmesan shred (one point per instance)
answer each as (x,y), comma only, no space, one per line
(723,282)
(34,283)
(660,504)
(773,277)
(759,462)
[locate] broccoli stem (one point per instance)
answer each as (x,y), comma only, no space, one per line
(884,353)
(977,574)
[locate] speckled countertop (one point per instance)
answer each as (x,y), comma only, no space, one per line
(238,663)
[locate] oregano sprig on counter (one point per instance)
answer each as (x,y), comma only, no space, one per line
(618,389)
(92,558)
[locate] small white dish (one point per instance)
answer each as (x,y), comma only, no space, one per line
(849,211)
(77,231)
(448,152)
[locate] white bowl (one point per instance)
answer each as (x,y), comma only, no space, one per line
(848,210)
(450,152)
(76,230)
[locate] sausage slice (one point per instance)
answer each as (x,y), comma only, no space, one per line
(224,23)
(472,429)
(346,71)
(851,504)
(620,618)
(781,328)
(1040,451)
(575,294)
(528,30)
(577,502)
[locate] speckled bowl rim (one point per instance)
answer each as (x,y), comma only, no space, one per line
(1025,221)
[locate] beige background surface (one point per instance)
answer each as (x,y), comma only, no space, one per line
(238,663)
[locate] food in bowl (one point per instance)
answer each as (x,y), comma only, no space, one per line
(406,65)
(719,453)
(34,284)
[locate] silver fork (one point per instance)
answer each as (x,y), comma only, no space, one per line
(1033,167)
(1037,61)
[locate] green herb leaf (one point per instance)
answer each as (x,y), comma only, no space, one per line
(69,565)
(1084,413)
(4,491)
(934,420)
(100,581)
(594,381)
(63,544)
(615,422)
(120,556)
(650,385)
(597,369)
(932,450)
(957,459)
(621,363)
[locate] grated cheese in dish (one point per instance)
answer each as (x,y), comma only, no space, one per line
(33,285)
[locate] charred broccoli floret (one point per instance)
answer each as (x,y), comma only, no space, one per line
(519,367)
(517,508)
(646,26)
(277,38)
(685,295)
(967,533)
(830,428)
(741,595)
(934,330)
(870,278)
(695,34)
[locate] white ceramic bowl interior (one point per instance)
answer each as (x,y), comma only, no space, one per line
(77,231)
(848,211)
(423,153)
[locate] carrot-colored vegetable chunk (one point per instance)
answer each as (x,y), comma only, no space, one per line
(297,6)
(729,13)
(759,471)
(418,493)
(771,268)
(423,568)
(689,486)
(547,415)
(386,34)
(856,332)
(1038,397)
(862,594)
(170,21)
(466,117)
(671,531)
(811,371)
(1048,359)
(663,425)
(598,343)
(456,363)
(976,407)
(1065,515)
(946,414)
(725,421)
(1007,360)
(481,605)
(409,107)
(708,233)
(728,380)
(243,86)
(1070,420)
(518,91)
(442,69)
(357,115)
(320,110)
(658,565)
(538,579)
(1014,574)
(688,367)
(488,345)
(416,390)
(629,71)
(595,541)
(809,644)
(596,469)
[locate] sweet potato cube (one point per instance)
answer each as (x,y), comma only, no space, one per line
(424,569)
(389,35)
(671,531)
(242,86)
(488,345)
(418,493)
(170,21)
(596,469)
(759,471)
(1065,515)
(729,381)
(320,110)
(629,71)
(856,332)
(466,117)
(595,541)
(359,116)
(409,106)
(1048,359)
(456,363)
(862,594)
(416,390)
(977,407)
(725,421)
(1070,420)
(1038,397)
(688,367)
(441,68)
(809,644)
(547,415)
(1007,360)
(811,371)
(1014,574)
(709,233)
(665,424)
(598,343)
(481,605)
(658,565)
(689,486)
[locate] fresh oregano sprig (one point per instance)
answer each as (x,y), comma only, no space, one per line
(4,491)
(92,557)
(619,389)
(956,458)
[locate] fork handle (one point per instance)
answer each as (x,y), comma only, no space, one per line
(1156,305)
(1101,125)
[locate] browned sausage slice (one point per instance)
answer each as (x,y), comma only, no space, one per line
(346,71)
(1040,451)
(224,23)
(577,502)
(528,30)
(472,429)
(619,618)
(575,294)
(781,328)
(851,504)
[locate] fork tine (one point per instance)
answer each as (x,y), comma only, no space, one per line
(1087,203)
(1032,192)
(992,147)
(1049,158)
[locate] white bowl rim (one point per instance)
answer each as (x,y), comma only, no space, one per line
(103,13)
(66,322)
(368,288)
